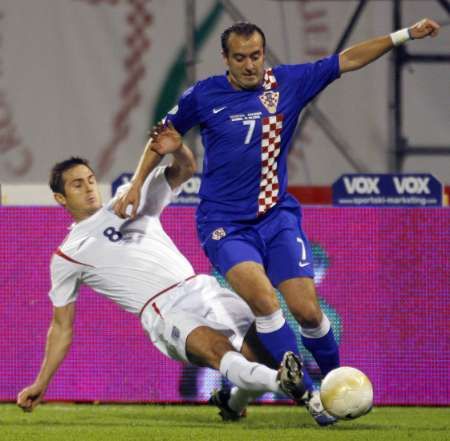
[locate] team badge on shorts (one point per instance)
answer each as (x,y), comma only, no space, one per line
(269,100)
(175,333)
(218,234)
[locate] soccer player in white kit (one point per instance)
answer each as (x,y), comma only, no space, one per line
(134,263)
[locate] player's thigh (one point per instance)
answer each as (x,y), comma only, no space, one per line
(169,331)
(186,336)
(250,281)
(220,308)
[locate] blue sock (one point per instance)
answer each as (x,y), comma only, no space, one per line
(325,351)
(307,380)
(280,341)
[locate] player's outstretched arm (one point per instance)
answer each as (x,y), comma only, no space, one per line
(361,54)
(163,139)
(182,168)
(59,338)
(148,161)
(184,164)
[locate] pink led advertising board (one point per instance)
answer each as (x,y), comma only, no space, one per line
(383,277)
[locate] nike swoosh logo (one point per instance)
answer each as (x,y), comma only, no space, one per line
(303,264)
(218,109)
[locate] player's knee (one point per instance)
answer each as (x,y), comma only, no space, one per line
(217,349)
(206,347)
(264,304)
(210,347)
(309,315)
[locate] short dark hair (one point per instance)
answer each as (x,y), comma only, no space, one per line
(56,181)
(241,28)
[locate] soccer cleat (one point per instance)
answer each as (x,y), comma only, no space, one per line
(315,408)
(290,377)
(220,399)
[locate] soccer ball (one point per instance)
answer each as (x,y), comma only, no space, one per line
(346,393)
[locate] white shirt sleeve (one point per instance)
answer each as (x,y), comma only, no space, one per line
(156,193)
(65,281)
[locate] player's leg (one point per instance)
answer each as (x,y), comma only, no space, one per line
(184,334)
(221,310)
(238,256)
(249,280)
(236,398)
(225,335)
(290,268)
(315,328)
(208,347)
(232,403)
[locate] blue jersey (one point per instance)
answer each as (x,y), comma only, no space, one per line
(246,135)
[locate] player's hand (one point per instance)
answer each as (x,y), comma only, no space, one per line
(424,28)
(131,196)
(30,397)
(165,138)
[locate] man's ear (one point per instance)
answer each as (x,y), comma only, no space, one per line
(60,199)
(225,58)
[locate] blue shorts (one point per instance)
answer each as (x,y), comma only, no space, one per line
(276,241)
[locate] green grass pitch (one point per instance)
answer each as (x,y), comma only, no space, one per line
(67,422)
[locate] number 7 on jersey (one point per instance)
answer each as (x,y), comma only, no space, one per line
(251,127)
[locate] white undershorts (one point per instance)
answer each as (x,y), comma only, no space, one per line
(200,301)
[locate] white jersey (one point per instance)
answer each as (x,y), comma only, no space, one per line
(128,261)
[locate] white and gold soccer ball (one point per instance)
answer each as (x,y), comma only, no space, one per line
(346,393)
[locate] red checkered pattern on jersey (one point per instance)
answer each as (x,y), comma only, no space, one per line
(270,150)
(270,82)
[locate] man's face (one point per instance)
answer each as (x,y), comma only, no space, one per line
(245,60)
(82,197)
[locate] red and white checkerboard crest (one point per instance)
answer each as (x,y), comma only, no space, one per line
(269,81)
(218,234)
(270,100)
(270,150)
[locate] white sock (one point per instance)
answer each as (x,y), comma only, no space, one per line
(270,323)
(239,398)
(248,375)
(318,332)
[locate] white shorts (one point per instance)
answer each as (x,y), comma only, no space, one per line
(200,301)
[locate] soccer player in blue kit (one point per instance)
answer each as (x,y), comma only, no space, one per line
(249,226)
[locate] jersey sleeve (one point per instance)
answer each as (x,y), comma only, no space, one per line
(312,78)
(184,115)
(65,280)
(156,193)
